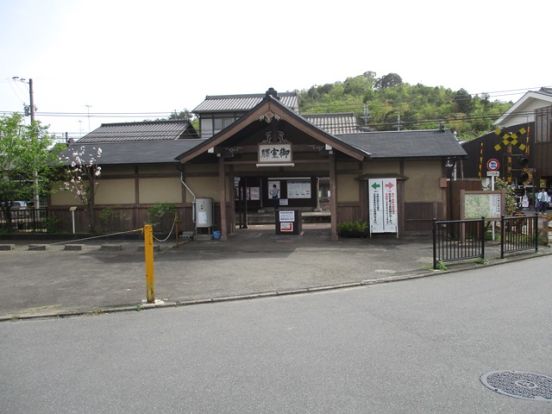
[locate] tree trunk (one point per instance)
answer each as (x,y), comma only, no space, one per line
(91,204)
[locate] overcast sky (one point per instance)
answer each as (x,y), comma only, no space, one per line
(159,56)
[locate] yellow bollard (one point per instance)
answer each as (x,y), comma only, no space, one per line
(148,254)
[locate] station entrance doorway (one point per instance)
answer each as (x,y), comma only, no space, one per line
(257,198)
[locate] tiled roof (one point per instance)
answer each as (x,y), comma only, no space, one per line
(136,152)
(338,123)
(140,131)
(406,144)
(242,103)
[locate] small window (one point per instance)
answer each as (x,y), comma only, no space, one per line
(206,127)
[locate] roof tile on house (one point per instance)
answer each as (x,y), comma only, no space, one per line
(406,144)
(140,131)
(136,152)
(336,123)
(242,103)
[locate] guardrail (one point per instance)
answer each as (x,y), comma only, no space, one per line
(518,233)
(456,240)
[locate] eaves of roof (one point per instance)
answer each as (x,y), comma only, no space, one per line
(270,104)
(406,144)
(538,95)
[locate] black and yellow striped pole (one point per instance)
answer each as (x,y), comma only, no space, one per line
(148,256)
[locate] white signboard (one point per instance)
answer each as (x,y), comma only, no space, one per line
(286,216)
(275,153)
(253,193)
(299,189)
(383,205)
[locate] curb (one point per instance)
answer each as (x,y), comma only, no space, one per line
(369,282)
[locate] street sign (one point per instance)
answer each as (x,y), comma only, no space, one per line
(493,164)
(493,173)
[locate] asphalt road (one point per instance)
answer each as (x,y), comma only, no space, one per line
(418,346)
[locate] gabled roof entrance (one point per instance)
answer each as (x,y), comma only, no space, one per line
(269,111)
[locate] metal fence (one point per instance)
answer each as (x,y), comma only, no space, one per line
(457,240)
(24,220)
(518,234)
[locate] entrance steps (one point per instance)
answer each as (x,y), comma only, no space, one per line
(269,218)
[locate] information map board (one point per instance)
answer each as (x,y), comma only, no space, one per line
(477,204)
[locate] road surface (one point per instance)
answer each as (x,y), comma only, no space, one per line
(409,347)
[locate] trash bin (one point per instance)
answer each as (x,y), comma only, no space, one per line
(288,221)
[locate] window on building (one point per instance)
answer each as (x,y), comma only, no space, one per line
(206,127)
(543,125)
(211,125)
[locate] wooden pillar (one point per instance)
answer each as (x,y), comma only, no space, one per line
(401,184)
(136,209)
(222,200)
(232,201)
(333,197)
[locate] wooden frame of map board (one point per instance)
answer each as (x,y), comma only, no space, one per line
(477,204)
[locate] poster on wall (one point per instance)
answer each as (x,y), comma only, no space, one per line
(253,193)
(383,205)
(299,189)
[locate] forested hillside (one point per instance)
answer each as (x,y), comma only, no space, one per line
(379,102)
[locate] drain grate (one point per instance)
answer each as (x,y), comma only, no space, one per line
(524,385)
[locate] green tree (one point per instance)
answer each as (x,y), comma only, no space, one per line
(389,80)
(463,101)
(420,106)
(27,161)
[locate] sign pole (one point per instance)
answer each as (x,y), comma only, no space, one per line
(493,223)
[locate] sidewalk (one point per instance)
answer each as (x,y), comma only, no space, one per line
(252,263)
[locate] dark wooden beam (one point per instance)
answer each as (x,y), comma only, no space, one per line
(333,198)
(222,197)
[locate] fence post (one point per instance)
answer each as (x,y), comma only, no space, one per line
(502,237)
(434,244)
(483,238)
(536,229)
(148,254)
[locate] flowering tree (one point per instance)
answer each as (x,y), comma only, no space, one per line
(83,169)
(28,161)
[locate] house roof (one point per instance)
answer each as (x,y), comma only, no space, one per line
(543,95)
(242,103)
(140,131)
(273,107)
(337,123)
(406,144)
(135,152)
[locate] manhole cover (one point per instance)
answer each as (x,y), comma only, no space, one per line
(525,385)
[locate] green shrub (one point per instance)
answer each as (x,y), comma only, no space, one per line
(353,227)
(158,211)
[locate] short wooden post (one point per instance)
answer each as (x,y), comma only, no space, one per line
(148,254)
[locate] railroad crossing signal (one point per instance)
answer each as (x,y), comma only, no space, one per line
(510,138)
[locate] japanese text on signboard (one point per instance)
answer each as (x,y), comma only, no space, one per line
(275,153)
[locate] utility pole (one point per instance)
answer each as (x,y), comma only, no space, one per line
(399,121)
(366,115)
(31,98)
(32,114)
(88,107)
